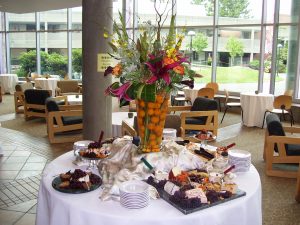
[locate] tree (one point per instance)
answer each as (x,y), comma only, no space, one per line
(235,48)
(57,64)
(200,42)
(77,60)
(227,8)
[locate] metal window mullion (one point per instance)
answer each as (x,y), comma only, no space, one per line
(7,45)
(69,42)
(215,41)
(274,47)
(38,42)
(262,47)
(296,93)
(134,18)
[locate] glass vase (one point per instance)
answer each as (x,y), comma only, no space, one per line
(151,117)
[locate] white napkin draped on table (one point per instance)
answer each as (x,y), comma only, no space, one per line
(126,164)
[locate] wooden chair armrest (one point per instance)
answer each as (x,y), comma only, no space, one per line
(283,140)
(64,113)
(69,107)
(179,108)
(127,129)
(292,129)
(198,113)
(61,98)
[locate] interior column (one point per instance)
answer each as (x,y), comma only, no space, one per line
(97,108)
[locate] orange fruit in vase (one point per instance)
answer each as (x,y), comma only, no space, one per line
(162,117)
(154,119)
(142,129)
(141,103)
(152,143)
(155,149)
(141,113)
(150,126)
(152,137)
(159,99)
(157,105)
(156,112)
(150,105)
(150,112)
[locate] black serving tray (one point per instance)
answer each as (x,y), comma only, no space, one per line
(164,195)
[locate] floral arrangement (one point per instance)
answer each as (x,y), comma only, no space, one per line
(150,65)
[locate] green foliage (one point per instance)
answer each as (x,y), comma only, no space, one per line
(235,47)
(57,64)
(77,60)
(254,64)
(200,42)
(227,8)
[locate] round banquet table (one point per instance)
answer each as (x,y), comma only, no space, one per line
(46,84)
(191,94)
(74,99)
(80,209)
(8,83)
(117,118)
(254,107)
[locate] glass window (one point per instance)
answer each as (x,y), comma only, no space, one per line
(21,22)
(238,11)
(53,20)
(22,53)
(286,69)
(192,13)
(77,55)
(270,11)
(146,11)
(238,59)
(77,18)
(54,53)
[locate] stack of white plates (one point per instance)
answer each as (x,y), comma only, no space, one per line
(134,194)
(241,159)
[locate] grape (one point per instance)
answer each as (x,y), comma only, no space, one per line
(212,196)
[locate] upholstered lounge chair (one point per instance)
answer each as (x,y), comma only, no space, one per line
(203,114)
(19,96)
(34,104)
(67,87)
(280,148)
(61,120)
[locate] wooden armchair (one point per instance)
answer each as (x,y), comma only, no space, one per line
(202,114)
(61,120)
(34,104)
(67,87)
(19,96)
(297,197)
(279,148)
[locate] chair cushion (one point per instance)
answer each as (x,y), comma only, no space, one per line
(51,105)
(275,128)
(292,149)
(71,120)
(36,96)
(274,125)
(203,104)
(196,121)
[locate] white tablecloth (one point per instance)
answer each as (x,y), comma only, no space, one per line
(254,107)
(8,83)
(191,93)
(73,100)
(117,118)
(46,84)
(81,209)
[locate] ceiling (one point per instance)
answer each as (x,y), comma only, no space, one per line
(26,6)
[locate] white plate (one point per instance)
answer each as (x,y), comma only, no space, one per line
(235,153)
(134,186)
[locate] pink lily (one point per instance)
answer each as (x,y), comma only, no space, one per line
(162,72)
(119,92)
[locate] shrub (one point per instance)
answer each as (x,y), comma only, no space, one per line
(254,64)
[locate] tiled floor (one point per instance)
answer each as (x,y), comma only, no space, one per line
(24,158)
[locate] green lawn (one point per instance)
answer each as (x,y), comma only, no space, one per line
(234,74)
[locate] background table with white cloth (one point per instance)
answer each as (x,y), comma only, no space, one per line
(254,107)
(191,94)
(80,209)
(46,84)
(8,83)
(117,118)
(74,99)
